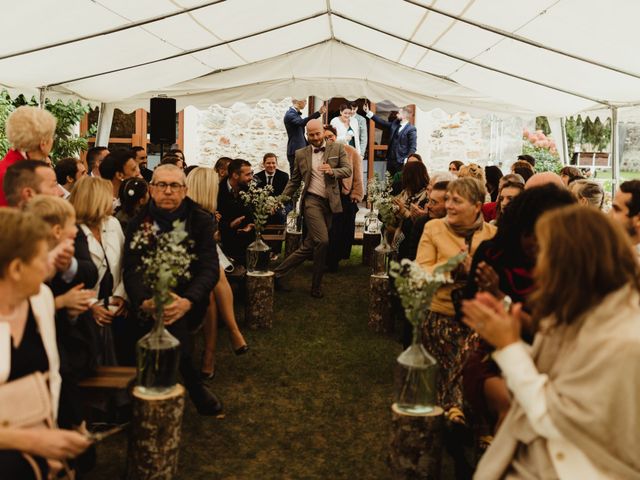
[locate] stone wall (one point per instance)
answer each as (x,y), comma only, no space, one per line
(243,131)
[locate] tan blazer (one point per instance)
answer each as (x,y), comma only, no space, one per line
(336,156)
(353,184)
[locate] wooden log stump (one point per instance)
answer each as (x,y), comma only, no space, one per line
(369,243)
(380,317)
(259,304)
(416,446)
(292,242)
(154,437)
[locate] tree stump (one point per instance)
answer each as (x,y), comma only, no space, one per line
(292,242)
(154,437)
(369,242)
(259,305)
(380,317)
(416,447)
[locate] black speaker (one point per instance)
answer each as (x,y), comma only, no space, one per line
(163,120)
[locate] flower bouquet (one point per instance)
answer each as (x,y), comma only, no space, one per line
(294,218)
(381,199)
(165,261)
(416,393)
(263,204)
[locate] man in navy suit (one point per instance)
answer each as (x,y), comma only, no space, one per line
(402,137)
(294,123)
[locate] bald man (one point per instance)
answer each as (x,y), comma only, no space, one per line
(544,178)
(320,165)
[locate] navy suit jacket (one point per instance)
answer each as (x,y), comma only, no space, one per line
(294,123)
(401,144)
(280,180)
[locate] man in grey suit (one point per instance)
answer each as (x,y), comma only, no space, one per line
(320,165)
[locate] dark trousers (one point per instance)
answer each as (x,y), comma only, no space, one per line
(343,227)
(317,218)
(394,167)
(292,162)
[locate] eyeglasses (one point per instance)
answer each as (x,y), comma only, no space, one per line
(174,187)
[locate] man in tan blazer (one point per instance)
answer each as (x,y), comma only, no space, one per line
(320,165)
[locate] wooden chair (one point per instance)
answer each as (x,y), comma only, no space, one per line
(109,378)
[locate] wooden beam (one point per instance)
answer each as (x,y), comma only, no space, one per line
(180,141)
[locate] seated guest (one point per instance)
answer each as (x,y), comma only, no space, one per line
(543,178)
(493,175)
(26,179)
(529,159)
(435,208)
(28,337)
(504,266)
(92,200)
(523,168)
(117,167)
(625,209)
(169,203)
(343,224)
(176,152)
(68,172)
(71,300)
(588,193)
(95,155)
(271,175)
(202,188)
(30,133)
(172,160)
(461,230)
(396,180)
(140,156)
(415,181)
(570,389)
(236,227)
(221,167)
(134,194)
(569,174)
(454,166)
(491,210)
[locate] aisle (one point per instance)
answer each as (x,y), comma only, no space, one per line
(310,401)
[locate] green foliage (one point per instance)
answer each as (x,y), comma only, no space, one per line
(545,160)
(68,115)
(542,123)
(592,136)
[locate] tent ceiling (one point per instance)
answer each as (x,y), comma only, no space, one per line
(482,54)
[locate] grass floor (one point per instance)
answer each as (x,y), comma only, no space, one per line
(310,400)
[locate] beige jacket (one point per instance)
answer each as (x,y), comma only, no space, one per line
(336,156)
(353,184)
(43,308)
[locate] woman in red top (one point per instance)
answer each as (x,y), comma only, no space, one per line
(30,132)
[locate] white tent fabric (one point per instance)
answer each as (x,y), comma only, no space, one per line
(553,57)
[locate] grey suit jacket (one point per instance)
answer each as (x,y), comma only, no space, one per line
(336,156)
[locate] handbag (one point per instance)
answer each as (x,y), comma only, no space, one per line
(26,403)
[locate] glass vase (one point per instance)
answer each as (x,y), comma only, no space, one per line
(258,256)
(294,222)
(416,381)
(371,222)
(158,358)
(383,255)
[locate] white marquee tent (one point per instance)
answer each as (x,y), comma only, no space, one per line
(547,57)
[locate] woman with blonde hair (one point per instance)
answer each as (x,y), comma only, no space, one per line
(575,411)
(588,192)
(202,188)
(30,132)
(92,199)
(28,348)
(462,230)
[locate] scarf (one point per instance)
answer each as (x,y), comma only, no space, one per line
(465,232)
(164,218)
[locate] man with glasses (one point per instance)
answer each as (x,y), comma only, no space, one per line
(184,315)
(140,156)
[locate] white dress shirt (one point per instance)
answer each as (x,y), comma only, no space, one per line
(316,185)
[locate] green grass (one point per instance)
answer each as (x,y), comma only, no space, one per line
(310,401)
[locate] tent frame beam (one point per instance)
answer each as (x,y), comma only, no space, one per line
(472,62)
(524,40)
(122,28)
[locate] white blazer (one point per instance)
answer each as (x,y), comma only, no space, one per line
(113,243)
(44,310)
(342,131)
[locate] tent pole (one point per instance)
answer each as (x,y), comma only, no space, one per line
(43,96)
(615,153)
(566,158)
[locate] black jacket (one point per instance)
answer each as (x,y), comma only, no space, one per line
(205,270)
(234,244)
(294,123)
(279,181)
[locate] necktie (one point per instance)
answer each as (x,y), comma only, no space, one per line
(318,150)
(269,179)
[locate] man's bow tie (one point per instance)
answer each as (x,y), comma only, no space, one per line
(318,150)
